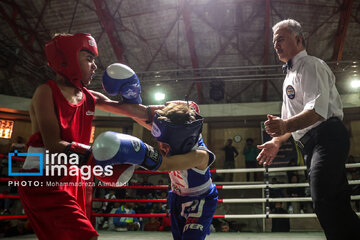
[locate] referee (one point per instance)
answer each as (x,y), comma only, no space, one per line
(312,112)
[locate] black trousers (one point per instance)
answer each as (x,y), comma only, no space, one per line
(325,153)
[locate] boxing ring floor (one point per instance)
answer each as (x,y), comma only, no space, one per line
(110,235)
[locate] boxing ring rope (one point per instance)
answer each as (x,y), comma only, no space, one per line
(229,200)
(227,216)
(265,200)
(246,170)
(20,159)
(250,186)
(236,170)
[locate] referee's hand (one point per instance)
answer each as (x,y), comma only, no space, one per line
(275,126)
(268,152)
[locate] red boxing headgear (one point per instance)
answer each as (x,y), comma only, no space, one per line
(62,55)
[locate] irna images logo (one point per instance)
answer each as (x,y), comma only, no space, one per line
(60,164)
(16,154)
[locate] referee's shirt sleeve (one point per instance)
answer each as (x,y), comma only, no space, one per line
(316,87)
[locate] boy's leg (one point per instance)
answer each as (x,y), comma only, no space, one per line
(55,214)
(199,215)
(177,221)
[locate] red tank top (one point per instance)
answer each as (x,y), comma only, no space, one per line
(75,120)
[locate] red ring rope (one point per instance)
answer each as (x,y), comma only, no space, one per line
(139,215)
(21,159)
(129,200)
(3,217)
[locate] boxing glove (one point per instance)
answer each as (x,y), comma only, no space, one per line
(121,79)
(83,151)
(111,148)
(121,175)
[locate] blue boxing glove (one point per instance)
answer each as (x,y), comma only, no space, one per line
(112,148)
(121,79)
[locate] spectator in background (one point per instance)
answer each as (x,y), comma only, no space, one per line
(129,223)
(111,225)
(280,224)
(152,225)
(275,192)
(158,192)
(296,192)
(16,227)
(108,206)
(142,207)
(225,227)
(250,152)
(6,203)
(350,171)
(164,206)
(18,145)
(147,193)
(230,154)
(165,223)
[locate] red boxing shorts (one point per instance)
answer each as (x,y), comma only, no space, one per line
(57,212)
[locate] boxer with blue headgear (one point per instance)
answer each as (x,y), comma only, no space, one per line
(180,137)
(193,196)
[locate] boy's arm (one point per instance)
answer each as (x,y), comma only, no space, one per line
(111,148)
(194,159)
(137,112)
(131,110)
(140,113)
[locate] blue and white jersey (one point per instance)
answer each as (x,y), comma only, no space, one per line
(193,181)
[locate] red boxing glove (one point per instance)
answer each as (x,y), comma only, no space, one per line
(121,175)
(82,150)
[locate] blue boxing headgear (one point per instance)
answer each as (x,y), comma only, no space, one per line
(180,137)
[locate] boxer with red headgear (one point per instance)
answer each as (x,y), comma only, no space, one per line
(62,54)
(61,115)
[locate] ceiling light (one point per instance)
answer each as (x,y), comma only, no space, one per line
(159,96)
(355,83)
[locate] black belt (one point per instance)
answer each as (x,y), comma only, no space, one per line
(310,136)
(302,142)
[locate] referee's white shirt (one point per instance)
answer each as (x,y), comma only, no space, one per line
(310,84)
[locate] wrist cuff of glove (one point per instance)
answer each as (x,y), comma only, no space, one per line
(83,151)
(152,160)
(149,114)
(150,111)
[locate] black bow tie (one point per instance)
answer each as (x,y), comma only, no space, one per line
(287,66)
